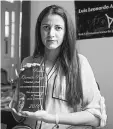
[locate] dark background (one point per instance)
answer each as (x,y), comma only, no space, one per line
(93,24)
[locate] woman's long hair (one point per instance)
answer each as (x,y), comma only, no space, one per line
(68,56)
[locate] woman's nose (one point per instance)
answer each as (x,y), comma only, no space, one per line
(51,32)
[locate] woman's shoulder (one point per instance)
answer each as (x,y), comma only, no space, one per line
(82,58)
(31,59)
(28,59)
(83,61)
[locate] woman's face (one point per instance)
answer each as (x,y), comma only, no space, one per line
(52,31)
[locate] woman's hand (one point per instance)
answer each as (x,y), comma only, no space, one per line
(17,113)
(39,115)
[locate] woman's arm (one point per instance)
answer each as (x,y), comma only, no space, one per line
(93,102)
(77,118)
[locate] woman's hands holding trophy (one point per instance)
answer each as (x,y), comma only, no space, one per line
(38,115)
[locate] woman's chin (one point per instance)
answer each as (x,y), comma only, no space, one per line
(52,47)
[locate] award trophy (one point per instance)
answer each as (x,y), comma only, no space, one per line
(31,91)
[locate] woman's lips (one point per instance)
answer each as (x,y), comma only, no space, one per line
(51,40)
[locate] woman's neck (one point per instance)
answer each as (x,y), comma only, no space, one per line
(50,59)
(51,55)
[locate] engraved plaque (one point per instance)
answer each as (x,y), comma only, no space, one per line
(31,89)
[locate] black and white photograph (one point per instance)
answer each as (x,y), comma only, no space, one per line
(56,64)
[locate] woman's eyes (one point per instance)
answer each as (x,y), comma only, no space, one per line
(57,28)
(46,28)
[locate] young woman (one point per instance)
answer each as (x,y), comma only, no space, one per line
(72,99)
